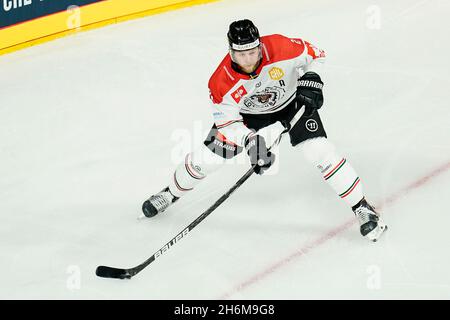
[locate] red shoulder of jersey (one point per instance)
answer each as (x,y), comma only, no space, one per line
(222,80)
(281,48)
(276,48)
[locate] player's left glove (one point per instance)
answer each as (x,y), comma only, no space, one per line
(309,93)
(260,157)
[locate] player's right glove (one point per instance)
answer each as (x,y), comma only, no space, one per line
(309,93)
(260,157)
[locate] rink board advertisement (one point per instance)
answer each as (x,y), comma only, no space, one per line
(16,11)
(25,23)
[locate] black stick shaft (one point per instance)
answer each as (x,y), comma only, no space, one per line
(109,272)
(193,224)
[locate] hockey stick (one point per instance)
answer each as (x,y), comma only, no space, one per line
(117,273)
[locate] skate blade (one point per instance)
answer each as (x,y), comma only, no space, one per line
(141,217)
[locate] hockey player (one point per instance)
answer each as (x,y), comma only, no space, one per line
(261,81)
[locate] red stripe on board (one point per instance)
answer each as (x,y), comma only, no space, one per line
(331,234)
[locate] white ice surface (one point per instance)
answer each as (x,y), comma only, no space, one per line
(89,127)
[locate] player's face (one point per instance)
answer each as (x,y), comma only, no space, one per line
(247,60)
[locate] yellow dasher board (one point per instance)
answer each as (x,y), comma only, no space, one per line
(24,23)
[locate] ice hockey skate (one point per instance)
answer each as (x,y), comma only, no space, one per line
(371,225)
(158,203)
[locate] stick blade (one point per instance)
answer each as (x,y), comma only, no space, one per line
(110,272)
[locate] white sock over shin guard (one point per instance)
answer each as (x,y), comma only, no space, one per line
(195,167)
(336,170)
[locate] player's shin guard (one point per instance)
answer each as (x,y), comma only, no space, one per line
(335,169)
(195,167)
(340,175)
(190,172)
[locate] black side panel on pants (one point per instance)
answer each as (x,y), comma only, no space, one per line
(218,144)
(304,129)
(307,128)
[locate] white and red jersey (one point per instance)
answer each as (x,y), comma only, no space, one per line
(284,60)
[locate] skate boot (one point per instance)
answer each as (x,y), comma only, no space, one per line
(371,225)
(158,203)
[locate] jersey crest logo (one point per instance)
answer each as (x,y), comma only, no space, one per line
(238,94)
(276,73)
(265,100)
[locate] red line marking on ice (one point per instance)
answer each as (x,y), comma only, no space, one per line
(331,234)
(416,184)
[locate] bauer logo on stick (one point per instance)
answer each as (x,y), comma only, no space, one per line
(171,243)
